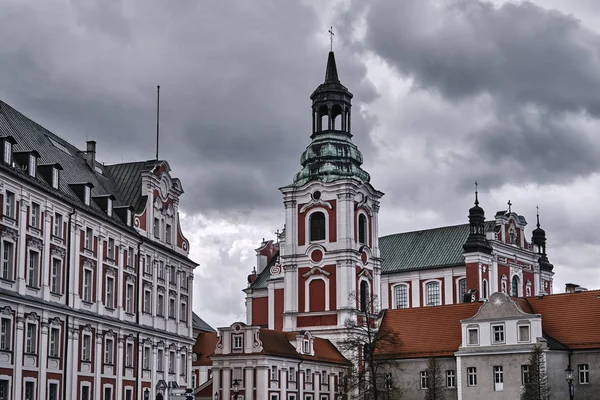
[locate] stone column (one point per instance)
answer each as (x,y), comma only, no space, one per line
(216,383)
(73,261)
(415,286)
(18,354)
(98,361)
(153,369)
(449,289)
(100,273)
(72,361)
(262,376)
(271,304)
(22,248)
(42,348)
(249,383)
(45,256)
(120,281)
(118,365)
(226,384)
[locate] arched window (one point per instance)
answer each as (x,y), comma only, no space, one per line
(336,123)
(323,119)
(401,295)
(364,296)
(432,291)
(317,226)
(362,229)
(514,287)
(484,289)
(462,289)
(504,279)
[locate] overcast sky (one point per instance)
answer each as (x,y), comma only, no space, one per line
(445,93)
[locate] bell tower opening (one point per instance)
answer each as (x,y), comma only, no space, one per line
(317,226)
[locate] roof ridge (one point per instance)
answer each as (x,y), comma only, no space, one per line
(429,229)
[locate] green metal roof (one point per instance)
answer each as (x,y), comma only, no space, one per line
(431,248)
(199,324)
(410,251)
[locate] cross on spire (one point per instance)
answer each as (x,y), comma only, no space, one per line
(537,208)
(331,37)
(509,207)
(476,199)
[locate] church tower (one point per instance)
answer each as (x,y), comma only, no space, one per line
(328,254)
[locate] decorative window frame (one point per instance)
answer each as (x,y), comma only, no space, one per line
(58,387)
(55,323)
(485,294)
(108,335)
(425,294)
(107,386)
(89,269)
(492,333)
(112,293)
(35,386)
(519,325)
(129,344)
(519,286)
(149,304)
(472,327)
(129,300)
(307,291)
(87,332)
(57,226)
(457,281)
(367,227)
(33,319)
(12,271)
(30,250)
(235,336)
(325,212)
(59,275)
(89,386)
(9,314)
(394,297)
(88,239)
(9,379)
(147,351)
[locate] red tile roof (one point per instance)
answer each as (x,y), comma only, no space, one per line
(571,318)
(280,344)
(427,331)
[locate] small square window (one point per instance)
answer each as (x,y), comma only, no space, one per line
(473,336)
(498,334)
(237,342)
(524,333)
(472,376)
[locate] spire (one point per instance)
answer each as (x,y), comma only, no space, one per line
(537,208)
(331,75)
(476,241)
(476,199)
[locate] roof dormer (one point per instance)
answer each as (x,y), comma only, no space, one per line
(28,161)
(305,344)
(105,202)
(7,149)
(125,213)
(51,173)
(83,191)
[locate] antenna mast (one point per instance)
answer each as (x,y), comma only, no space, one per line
(157,117)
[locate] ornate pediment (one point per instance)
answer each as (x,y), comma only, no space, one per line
(10,233)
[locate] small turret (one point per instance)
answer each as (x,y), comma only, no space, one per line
(539,239)
(477,242)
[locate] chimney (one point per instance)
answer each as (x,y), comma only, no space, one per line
(571,287)
(90,154)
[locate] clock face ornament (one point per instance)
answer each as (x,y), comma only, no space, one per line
(164,188)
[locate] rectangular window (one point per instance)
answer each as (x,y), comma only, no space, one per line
(129,299)
(9,205)
(31,167)
(55,175)
(5,334)
(432,290)
(497,334)
(87,196)
(524,333)
(584,374)
(156,228)
(111,249)
(306,346)
(148,265)
(86,348)
(108,351)
(109,207)
(183,280)
(108,393)
(450,379)
(110,292)
(168,234)
(292,374)
(53,391)
(85,393)
(147,301)
(161,270)
(34,217)
(274,375)
(171,362)
(146,360)
(33,270)
(129,355)
(29,390)
(473,336)
(183,314)
(424,379)
(160,360)
(324,380)
(58,225)
(182,365)
(525,376)
(309,375)
(54,342)
(89,238)
(4,395)
(237,342)
(7,260)
(130,257)
(31,339)
(7,154)
(128,394)
(172,275)
(171,308)
(472,376)
(498,378)
(55,282)
(87,285)
(401,292)
(160,305)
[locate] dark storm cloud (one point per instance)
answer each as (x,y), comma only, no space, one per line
(538,69)
(235,84)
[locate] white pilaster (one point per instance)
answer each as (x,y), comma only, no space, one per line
(43,355)
(415,286)
(448,288)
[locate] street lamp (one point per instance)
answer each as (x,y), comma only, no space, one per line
(216,395)
(340,394)
(236,388)
(569,372)
(388,383)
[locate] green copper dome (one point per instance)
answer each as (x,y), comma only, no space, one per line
(331,155)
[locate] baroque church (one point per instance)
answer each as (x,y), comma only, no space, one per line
(330,259)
